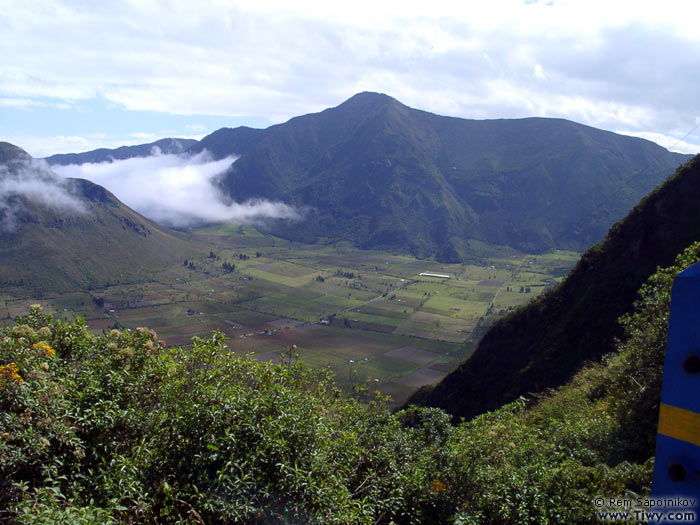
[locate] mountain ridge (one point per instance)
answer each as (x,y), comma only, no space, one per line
(165,146)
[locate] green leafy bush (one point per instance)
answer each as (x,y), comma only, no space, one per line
(117,427)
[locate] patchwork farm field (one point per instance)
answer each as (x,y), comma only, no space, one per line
(369,316)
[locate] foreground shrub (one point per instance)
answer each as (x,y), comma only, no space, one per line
(117,427)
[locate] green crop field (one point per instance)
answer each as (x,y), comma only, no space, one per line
(368,315)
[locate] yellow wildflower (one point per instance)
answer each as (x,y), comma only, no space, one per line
(46,348)
(439,486)
(10,372)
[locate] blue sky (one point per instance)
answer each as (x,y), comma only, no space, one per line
(50,126)
(78,75)
(98,115)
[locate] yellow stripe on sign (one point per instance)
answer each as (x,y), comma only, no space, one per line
(679,423)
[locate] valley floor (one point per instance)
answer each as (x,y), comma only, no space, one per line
(366,315)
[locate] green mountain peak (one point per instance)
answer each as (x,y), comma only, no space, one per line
(383,175)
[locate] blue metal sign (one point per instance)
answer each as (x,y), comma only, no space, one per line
(676,483)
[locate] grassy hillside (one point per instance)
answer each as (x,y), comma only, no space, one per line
(543,344)
(115,428)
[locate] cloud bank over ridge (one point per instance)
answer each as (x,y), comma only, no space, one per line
(177,190)
(32,181)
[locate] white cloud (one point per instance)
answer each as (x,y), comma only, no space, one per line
(32,181)
(669,142)
(29,103)
(538,72)
(176,190)
(18,102)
